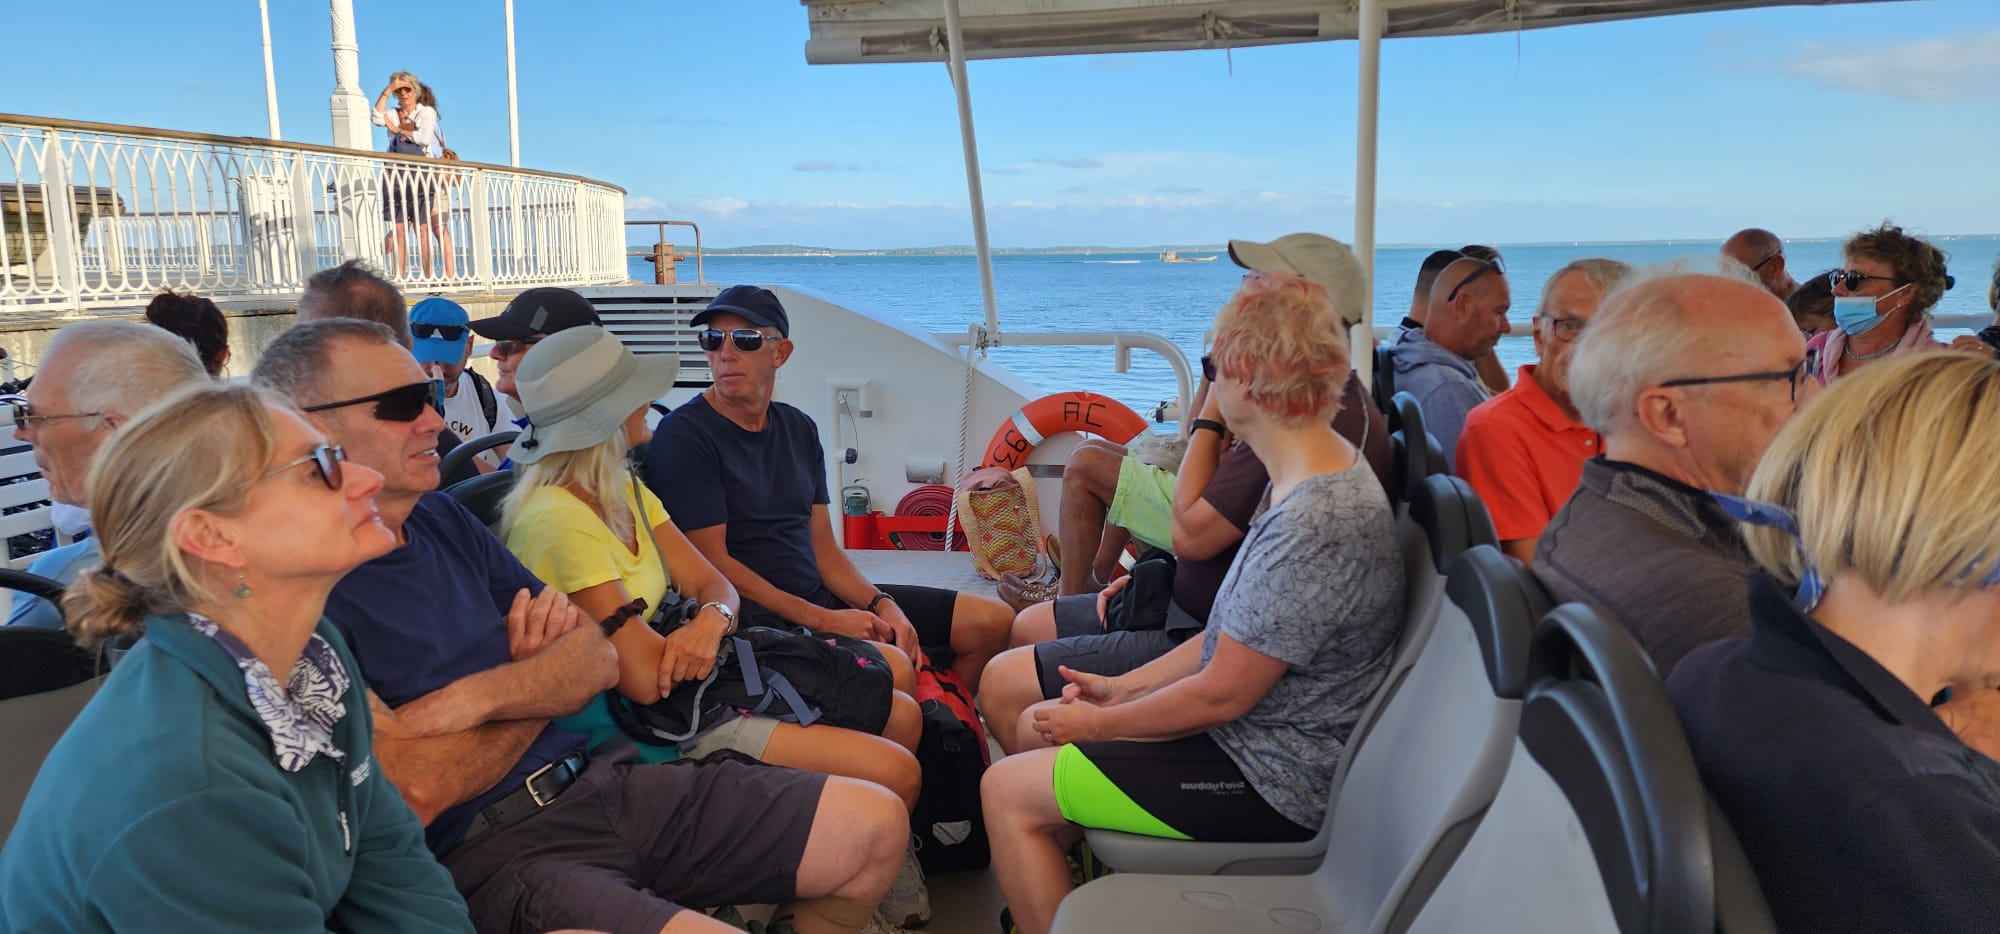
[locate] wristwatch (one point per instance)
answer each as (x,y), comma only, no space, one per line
(728,615)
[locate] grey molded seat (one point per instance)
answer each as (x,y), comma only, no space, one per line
(1443,522)
(483,495)
(1414,460)
(1411,795)
(45,679)
(1384,389)
(456,466)
(1602,823)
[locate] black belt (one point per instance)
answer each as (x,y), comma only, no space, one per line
(534,794)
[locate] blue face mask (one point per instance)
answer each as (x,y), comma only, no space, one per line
(1856,313)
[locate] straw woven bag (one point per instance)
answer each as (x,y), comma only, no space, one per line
(1002,520)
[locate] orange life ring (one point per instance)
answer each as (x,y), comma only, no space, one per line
(1054,414)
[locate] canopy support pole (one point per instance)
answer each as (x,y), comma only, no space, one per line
(270,73)
(513,100)
(1366,114)
(955,40)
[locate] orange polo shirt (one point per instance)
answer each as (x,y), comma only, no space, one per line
(1523,456)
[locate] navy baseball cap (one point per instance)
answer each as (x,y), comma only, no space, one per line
(539,311)
(751,303)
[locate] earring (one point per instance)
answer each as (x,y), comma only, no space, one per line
(242,586)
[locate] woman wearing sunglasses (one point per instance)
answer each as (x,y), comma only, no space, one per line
(223,777)
(1882,299)
(1861,805)
(581,520)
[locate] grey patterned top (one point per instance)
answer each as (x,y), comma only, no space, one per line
(300,714)
(1318,586)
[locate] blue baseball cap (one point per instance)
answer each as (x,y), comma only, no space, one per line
(755,305)
(446,318)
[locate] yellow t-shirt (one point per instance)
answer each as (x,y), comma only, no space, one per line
(563,542)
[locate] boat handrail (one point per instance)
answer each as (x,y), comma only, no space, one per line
(660,233)
(1122,343)
(98,217)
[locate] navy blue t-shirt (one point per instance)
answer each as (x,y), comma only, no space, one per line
(432,612)
(762,484)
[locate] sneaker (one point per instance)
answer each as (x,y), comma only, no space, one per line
(909,900)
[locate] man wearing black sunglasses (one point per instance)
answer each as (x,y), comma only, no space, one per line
(745,478)
(94,376)
(1438,362)
(1764,254)
(443,345)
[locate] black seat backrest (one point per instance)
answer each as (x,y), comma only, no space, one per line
(456,467)
(35,661)
(1740,907)
(483,495)
(1452,518)
(1598,721)
(1384,389)
(1416,459)
(1503,601)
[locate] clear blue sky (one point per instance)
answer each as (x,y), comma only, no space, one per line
(1811,121)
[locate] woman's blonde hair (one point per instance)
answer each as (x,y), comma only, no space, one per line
(1280,337)
(598,475)
(202,448)
(1890,473)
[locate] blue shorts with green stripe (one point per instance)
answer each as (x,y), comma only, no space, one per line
(1182,789)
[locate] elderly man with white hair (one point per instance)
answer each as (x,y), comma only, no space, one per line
(1688,377)
(93,378)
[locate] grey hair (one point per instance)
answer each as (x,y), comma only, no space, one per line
(124,366)
(1606,274)
(297,363)
(1641,336)
(354,290)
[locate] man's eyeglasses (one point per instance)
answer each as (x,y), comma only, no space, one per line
(1852,279)
(1793,376)
(401,404)
(1208,368)
(24,413)
(1565,329)
(748,340)
(450,332)
(1485,266)
(510,348)
(326,459)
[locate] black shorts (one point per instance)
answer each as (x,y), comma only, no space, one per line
(406,195)
(628,845)
(1184,788)
(1082,642)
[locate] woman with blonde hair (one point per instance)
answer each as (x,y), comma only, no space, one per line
(1298,640)
(579,519)
(223,777)
(1862,806)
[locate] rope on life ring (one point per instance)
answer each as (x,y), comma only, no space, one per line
(1054,414)
(931,500)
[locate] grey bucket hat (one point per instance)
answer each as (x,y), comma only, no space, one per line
(579,385)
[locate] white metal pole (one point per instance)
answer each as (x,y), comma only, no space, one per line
(955,35)
(1365,119)
(270,73)
(513,100)
(350,108)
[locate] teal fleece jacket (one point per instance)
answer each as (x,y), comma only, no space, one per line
(163,809)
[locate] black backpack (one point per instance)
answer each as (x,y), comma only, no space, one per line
(798,676)
(489,405)
(949,825)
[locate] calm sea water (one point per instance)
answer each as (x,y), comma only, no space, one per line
(1132,291)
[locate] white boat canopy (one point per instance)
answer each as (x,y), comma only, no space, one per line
(846,32)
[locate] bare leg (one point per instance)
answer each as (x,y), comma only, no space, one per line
(424,248)
(1029,836)
(1090,480)
(979,631)
(447,250)
(853,852)
(1025,735)
(849,753)
(1010,686)
(906,722)
(399,250)
(1035,624)
(686,922)
(1109,550)
(902,674)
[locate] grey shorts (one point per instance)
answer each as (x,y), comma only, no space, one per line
(745,734)
(1081,643)
(627,846)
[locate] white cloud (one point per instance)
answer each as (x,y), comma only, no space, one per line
(1950,68)
(722,207)
(638,203)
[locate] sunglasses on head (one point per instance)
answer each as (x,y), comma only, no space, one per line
(1851,279)
(401,404)
(748,340)
(450,332)
(1485,266)
(510,348)
(326,459)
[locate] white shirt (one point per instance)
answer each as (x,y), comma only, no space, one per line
(426,134)
(462,413)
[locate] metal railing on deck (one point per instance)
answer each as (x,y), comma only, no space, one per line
(96,215)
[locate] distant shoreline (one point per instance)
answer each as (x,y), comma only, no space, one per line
(798,251)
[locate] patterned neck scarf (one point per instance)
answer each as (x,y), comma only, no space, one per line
(299,714)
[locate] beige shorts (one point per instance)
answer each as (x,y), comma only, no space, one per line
(747,735)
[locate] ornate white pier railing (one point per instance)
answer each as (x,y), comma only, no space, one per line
(98,216)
